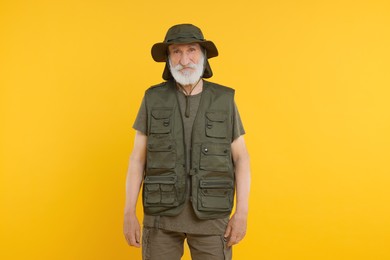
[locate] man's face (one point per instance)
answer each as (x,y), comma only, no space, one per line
(186,62)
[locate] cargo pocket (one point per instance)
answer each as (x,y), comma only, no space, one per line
(161,155)
(216,124)
(161,121)
(160,190)
(215,195)
(215,157)
(146,243)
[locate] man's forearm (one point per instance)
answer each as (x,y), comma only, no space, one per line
(133,185)
(243,180)
(135,172)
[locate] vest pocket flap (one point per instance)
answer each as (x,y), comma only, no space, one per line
(215,149)
(152,187)
(162,113)
(160,190)
(160,122)
(166,187)
(215,195)
(161,179)
(216,116)
(216,184)
(216,124)
(215,157)
(160,147)
(161,155)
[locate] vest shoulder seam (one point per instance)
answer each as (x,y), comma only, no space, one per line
(219,86)
(162,84)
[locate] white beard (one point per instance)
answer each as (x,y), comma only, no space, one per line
(187,78)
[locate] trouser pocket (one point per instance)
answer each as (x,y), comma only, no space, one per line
(145,244)
(227,251)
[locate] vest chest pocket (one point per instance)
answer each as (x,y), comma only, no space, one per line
(215,195)
(160,191)
(216,124)
(161,155)
(161,121)
(215,157)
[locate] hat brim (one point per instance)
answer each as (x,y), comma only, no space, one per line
(160,50)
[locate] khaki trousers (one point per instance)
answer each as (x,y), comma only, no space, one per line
(159,244)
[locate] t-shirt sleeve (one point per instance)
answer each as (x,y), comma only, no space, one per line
(238,128)
(141,122)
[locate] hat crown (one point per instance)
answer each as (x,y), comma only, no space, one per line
(183,33)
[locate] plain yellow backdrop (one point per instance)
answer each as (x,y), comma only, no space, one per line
(312,86)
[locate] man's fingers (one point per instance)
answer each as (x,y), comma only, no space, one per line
(134,242)
(137,236)
(133,239)
(228,230)
(235,238)
(132,231)
(232,240)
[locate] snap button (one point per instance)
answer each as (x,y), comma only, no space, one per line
(206,150)
(225,151)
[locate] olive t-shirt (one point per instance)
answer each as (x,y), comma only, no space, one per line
(187,221)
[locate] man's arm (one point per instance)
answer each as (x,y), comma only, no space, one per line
(131,227)
(236,228)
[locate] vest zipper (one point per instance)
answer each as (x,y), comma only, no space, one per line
(192,168)
(187,186)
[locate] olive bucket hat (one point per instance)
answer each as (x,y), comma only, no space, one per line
(182,34)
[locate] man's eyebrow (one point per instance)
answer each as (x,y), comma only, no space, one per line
(172,47)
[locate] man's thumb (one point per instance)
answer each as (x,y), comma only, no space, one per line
(228,230)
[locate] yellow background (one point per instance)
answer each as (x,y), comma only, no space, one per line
(312,85)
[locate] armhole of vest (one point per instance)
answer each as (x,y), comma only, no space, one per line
(147,112)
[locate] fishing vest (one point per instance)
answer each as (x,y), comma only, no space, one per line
(212,182)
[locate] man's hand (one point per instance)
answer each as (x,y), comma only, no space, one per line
(236,229)
(132,230)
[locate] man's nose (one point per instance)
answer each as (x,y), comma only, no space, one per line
(184,59)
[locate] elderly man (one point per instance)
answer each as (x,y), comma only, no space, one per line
(190,155)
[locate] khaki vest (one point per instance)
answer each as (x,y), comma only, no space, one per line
(211,187)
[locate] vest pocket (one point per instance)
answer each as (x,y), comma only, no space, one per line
(216,124)
(160,191)
(215,195)
(161,156)
(161,121)
(214,157)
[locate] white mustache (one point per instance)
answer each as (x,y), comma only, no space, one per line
(180,67)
